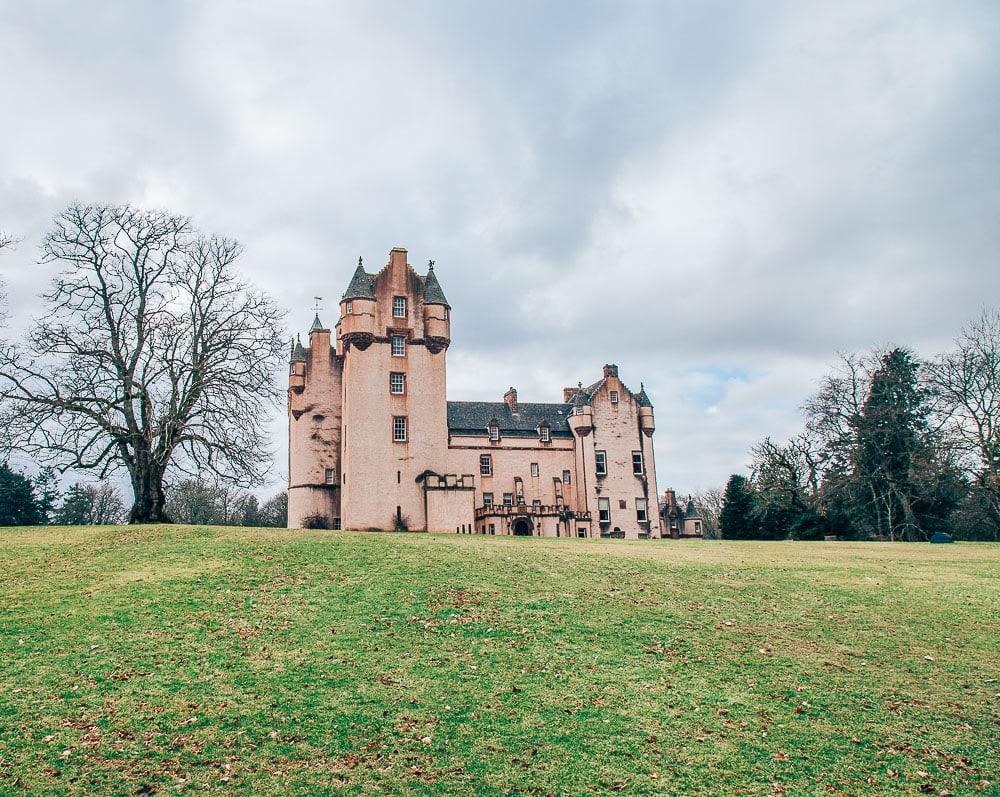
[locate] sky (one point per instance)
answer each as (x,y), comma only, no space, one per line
(716,196)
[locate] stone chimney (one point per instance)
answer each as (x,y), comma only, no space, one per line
(510,399)
(568,393)
(610,370)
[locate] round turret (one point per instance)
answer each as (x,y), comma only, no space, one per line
(357,310)
(297,368)
(437,313)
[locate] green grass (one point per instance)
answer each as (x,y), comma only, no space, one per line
(164,660)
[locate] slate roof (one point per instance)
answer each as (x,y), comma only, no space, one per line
(641,398)
(362,285)
(317,324)
(691,512)
(298,353)
(432,289)
(472,418)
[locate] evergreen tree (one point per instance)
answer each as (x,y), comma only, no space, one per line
(46,487)
(77,507)
(738,518)
(18,506)
(906,484)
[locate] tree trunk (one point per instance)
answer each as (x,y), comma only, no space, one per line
(150,500)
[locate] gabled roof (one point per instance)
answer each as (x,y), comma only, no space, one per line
(362,285)
(432,288)
(472,418)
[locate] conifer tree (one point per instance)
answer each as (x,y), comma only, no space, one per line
(737,520)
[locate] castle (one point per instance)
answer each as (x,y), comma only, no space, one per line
(374,443)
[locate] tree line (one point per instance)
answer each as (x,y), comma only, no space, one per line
(893,447)
(38,501)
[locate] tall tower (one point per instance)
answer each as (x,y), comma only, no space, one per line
(393,335)
(314,431)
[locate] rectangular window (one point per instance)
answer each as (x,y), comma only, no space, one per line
(397,383)
(640,510)
(637,463)
(565,477)
(493,528)
(336,524)
(508,499)
(581,532)
(534,468)
(398,346)
(536,504)
(399,429)
(614,396)
(331,476)
(487,499)
(485,465)
(350,307)
(543,434)
(601,463)
(604,510)
(399,307)
(494,433)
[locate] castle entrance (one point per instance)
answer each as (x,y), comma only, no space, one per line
(522,527)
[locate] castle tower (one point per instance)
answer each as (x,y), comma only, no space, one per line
(394,331)
(314,397)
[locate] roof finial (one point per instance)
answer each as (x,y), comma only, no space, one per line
(316,307)
(360,261)
(430,265)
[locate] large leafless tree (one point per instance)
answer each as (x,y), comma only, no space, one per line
(153,356)
(967,383)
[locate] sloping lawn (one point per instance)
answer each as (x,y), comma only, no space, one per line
(166,660)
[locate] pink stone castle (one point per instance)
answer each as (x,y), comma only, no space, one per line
(375,444)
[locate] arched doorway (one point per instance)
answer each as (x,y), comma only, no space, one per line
(522,527)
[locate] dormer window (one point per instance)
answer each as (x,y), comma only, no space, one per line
(544,434)
(614,396)
(399,307)
(494,431)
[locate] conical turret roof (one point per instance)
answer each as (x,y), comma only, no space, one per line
(641,398)
(298,353)
(361,286)
(316,325)
(691,510)
(432,288)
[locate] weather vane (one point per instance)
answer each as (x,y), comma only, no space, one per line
(316,306)
(430,264)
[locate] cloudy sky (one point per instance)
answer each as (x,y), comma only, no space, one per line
(716,196)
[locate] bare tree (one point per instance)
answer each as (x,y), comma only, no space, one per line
(6,240)
(709,503)
(154,356)
(967,382)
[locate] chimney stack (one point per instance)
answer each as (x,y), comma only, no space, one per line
(568,393)
(510,399)
(610,370)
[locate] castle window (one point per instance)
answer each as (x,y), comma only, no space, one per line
(399,429)
(350,307)
(581,532)
(536,505)
(543,434)
(336,524)
(494,431)
(640,510)
(614,396)
(604,510)
(566,477)
(399,307)
(601,463)
(331,476)
(493,528)
(398,346)
(397,383)
(487,499)
(637,463)
(485,465)
(534,468)
(508,499)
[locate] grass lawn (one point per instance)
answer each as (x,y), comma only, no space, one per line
(158,660)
